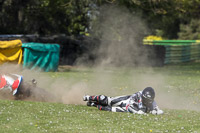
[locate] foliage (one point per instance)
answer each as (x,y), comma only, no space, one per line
(190,31)
(74,17)
(163,17)
(44,17)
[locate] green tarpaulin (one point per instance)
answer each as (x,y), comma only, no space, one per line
(41,56)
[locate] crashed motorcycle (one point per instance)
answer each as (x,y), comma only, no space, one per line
(13,86)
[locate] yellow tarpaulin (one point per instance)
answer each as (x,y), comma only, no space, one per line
(11,51)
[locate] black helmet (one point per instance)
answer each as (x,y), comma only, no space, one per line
(148,95)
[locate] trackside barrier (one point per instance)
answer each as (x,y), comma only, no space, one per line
(177,51)
(41,56)
(11,51)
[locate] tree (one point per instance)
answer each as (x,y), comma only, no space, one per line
(190,31)
(76,17)
(44,16)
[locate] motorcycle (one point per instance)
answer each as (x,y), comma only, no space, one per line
(13,86)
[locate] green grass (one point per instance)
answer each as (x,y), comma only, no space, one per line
(182,80)
(19,116)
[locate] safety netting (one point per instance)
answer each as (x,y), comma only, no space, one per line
(177,51)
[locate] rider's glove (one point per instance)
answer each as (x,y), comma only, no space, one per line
(157,111)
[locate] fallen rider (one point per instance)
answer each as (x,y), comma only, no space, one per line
(141,102)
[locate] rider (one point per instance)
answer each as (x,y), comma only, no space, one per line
(141,102)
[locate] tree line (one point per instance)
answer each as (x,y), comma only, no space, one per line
(171,19)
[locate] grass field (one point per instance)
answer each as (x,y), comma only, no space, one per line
(177,93)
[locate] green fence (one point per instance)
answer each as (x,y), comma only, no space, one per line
(41,56)
(177,51)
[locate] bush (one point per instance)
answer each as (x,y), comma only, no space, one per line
(190,31)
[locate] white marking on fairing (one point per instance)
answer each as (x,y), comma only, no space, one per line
(9,80)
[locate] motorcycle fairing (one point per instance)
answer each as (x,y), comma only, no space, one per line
(9,83)
(16,83)
(2,82)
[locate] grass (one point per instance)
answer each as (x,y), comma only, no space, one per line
(34,117)
(19,116)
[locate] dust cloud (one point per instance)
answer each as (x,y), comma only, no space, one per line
(48,89)
(70,91)
(175,99)
(121,35)
(120,49)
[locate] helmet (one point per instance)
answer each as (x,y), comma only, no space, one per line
(148,95)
